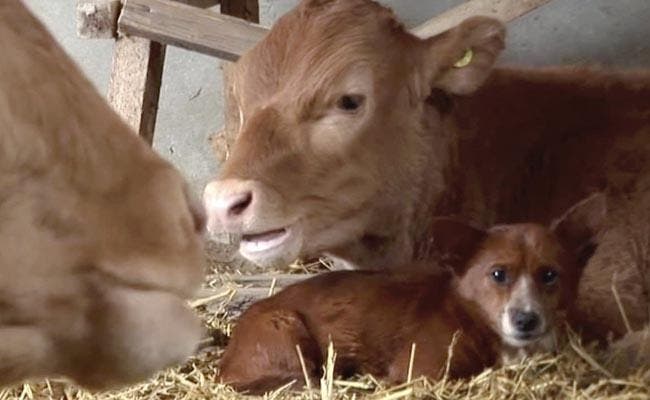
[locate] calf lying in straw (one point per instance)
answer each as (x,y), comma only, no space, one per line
(506,292)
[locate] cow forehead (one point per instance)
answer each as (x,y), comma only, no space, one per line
(315,47)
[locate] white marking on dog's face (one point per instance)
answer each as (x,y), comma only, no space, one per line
(523,297)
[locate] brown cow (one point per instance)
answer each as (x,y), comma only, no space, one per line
(508,290)
(99,244)
(354,133)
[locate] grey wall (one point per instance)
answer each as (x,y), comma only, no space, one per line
(605,32)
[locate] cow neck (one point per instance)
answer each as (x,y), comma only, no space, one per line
(437,198)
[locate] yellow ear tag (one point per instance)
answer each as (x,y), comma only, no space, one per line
(467,58)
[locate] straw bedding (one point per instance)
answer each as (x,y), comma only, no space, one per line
(576,372)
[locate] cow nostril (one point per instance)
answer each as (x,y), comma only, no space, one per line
(526,321)
(240,204)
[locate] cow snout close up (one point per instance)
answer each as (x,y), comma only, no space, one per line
(229,205)
(255,214)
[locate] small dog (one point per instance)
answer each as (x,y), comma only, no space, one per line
(505,292)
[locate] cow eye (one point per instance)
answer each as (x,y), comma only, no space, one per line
(549,276)
(499,275)
(350,102)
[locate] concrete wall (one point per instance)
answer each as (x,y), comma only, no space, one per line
(606,32)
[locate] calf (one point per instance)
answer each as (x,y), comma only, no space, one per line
(99,243)
(506,292)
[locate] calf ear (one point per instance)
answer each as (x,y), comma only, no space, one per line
(459,60)
(454,241)
(578,227)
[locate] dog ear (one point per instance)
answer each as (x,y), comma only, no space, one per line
(578,227)
(455,241)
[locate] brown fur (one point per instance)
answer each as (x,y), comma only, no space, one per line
(508,144)
(372,318)
(99,243)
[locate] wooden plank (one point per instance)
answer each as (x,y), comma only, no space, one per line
(505,10)
(189,27)
(97,19)
(234,299)
(208,32)
(266,280)
(134,88)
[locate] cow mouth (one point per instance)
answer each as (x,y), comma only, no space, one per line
(263,241)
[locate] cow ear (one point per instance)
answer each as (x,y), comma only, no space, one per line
(455,241)
(578,227)
(459,60)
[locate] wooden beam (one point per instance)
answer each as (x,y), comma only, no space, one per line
(97,19)
(505,10)
(266,280)
(235,299)
(189,27)
(134,88)
(221,36)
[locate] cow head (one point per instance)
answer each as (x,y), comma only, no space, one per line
(100,244)
(336,131)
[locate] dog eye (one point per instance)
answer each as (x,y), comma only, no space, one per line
(499,275)
(350,102)
(549,276)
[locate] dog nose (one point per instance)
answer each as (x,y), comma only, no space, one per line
(524,321)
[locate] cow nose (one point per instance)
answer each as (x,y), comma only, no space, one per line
(525,321)
(227,206)
(236,204)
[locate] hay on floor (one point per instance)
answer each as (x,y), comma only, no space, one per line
(575,372)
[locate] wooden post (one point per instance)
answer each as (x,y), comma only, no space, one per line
(138,58)
(136,76)
(134,87)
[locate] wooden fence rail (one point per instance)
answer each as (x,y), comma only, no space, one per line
(189,27)
(228,38)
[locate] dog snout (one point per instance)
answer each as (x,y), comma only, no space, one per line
(525,321)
